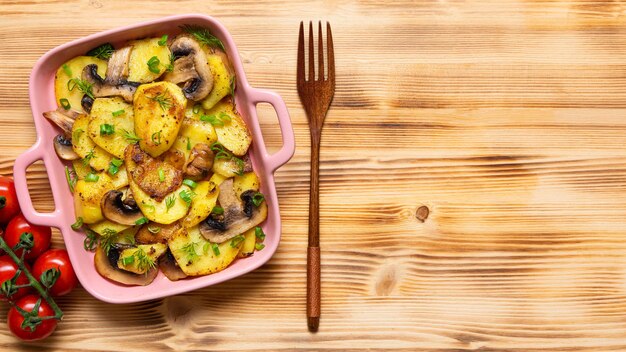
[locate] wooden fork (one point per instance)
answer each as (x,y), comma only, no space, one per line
(316,96)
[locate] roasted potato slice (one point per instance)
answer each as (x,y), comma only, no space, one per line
(203,203)
(107,227)
(233,134)
(193,132)
(248,244)
(197,256)
(246,182)
(147,56)
(110,119)
(98,158)
(73,69)
(222,77)
(81,168)
(142,258)
(154,232)
(159,110)
(87,198)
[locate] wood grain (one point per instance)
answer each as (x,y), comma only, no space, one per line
(503,121)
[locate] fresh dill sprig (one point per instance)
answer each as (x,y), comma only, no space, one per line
(103,52)
(130,136)
(163,101)
(81,85)
(203,35)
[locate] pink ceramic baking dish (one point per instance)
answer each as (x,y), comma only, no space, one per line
(42,99)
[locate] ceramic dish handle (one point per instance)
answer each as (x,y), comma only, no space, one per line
(281,157)
(23,195)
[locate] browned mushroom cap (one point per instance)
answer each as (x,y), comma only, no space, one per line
(169,267)
(63,148)
(106,265)
(118,209)
(63,118)
(234,221)
(190,68)
(200,161)
(102,88)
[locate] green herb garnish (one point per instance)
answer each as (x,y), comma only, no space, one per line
(114,166)
(190,251)
(161,175)
(258,232)
(67,70)
(156,138)
(65,103)
(187,196)
(103,52)
(106,129)
(190,183)
(118,113)
(130,136)
(78,224)
(91,177)
(217,210)
(128,260)
(89,156)
(259,246)
(258,198)
(141,221)
(163,40)
(188,144)
(153,64)
(70,177)
(154,229)
(91,240)
(196,109)
(216,248)
(216,120)
(222,153)
(169,202)
(81,85)
(203,36)
(236,241)
(163,101)
(77,133)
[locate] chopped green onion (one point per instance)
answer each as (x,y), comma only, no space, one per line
(114,166)
(206,247)
(258,232)
(78,224)
(71,181)
(154,229)
(141,221)
(65,103)
(236,241)
(106,129)
(216,120)
(118,112)
(188,144)
(149,206)
(259,246)
(153,64)
(128,260)
(156,138)
(187,196)
(67,69)
(81,85)
(161,175)
(91,177)
(216,248)
(196,109)
(217,210)
(77,133)
(258,198)
(190,183)
(163,40)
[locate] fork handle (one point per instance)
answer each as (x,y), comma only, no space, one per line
(313,252)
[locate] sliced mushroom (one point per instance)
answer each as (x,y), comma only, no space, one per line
(102,88)
(63,118)
(86,102)
(117,68)
(120,209)
(200,161)
(63,148)
(106,265)
(169,266)
(190,68)
(220,228)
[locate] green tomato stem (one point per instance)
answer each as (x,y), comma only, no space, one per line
(58,313)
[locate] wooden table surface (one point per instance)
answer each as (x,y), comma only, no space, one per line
(473,178)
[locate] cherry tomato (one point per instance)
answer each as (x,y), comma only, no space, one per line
(58,259)
(7,271)
(41,331)
(9,206)
(41,236)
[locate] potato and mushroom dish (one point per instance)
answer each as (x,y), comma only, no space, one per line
(159,158)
